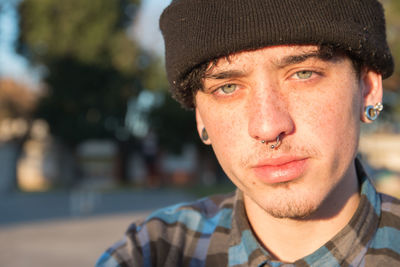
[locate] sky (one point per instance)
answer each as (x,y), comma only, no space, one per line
(145,31)
(11,64)
(146,28)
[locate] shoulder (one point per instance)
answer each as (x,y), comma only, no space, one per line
(114,256)
(390,211)
(168,234)
(205,209)
(385,246)
(175,226)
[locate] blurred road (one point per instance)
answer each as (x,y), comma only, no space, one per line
(70,229)
(23,207)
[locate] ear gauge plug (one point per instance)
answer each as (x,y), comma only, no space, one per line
(204,135)
(372,112)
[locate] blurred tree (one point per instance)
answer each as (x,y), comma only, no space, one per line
(178,126)
(92,68)
(91,32)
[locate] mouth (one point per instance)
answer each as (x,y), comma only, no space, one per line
(279,170)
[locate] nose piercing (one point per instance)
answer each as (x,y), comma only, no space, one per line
(278,142)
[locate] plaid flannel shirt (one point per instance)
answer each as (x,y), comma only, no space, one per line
(215,232)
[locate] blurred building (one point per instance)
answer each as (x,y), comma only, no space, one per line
(97,160)
(16,104)
(382,152)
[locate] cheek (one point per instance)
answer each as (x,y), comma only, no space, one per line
(225,128)
(226,131)
(332,121)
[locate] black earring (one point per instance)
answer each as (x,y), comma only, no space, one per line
(204,134)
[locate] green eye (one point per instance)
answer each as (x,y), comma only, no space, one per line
(228,88)
(304,74)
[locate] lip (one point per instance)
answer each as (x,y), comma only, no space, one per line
(281,169)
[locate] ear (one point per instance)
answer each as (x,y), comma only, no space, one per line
(200,127)
(372,91)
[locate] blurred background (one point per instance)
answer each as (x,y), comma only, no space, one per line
(90,138)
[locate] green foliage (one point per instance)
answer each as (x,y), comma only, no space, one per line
(92,32)
(84,101)
(92,66)
(154,76)
(175,126)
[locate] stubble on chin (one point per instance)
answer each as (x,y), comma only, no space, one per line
(286,201)
(294,210)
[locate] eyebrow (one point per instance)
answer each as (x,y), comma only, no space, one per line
(280,63)
(225,75)
(296,59)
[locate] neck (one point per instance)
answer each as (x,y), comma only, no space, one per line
(293,239)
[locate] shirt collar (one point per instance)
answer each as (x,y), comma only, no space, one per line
(244,249)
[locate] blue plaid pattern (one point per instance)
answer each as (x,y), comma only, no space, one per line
(215,232)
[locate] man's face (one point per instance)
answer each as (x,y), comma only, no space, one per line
(314,105)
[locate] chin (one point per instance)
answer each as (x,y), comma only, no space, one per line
(293,212)
(292,205)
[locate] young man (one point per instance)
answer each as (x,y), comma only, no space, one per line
(280,88)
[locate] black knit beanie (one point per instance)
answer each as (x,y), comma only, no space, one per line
(198,31)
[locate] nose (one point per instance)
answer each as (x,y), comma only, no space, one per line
(268,115)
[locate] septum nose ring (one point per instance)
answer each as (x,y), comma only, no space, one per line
(278,142)
(276,145)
